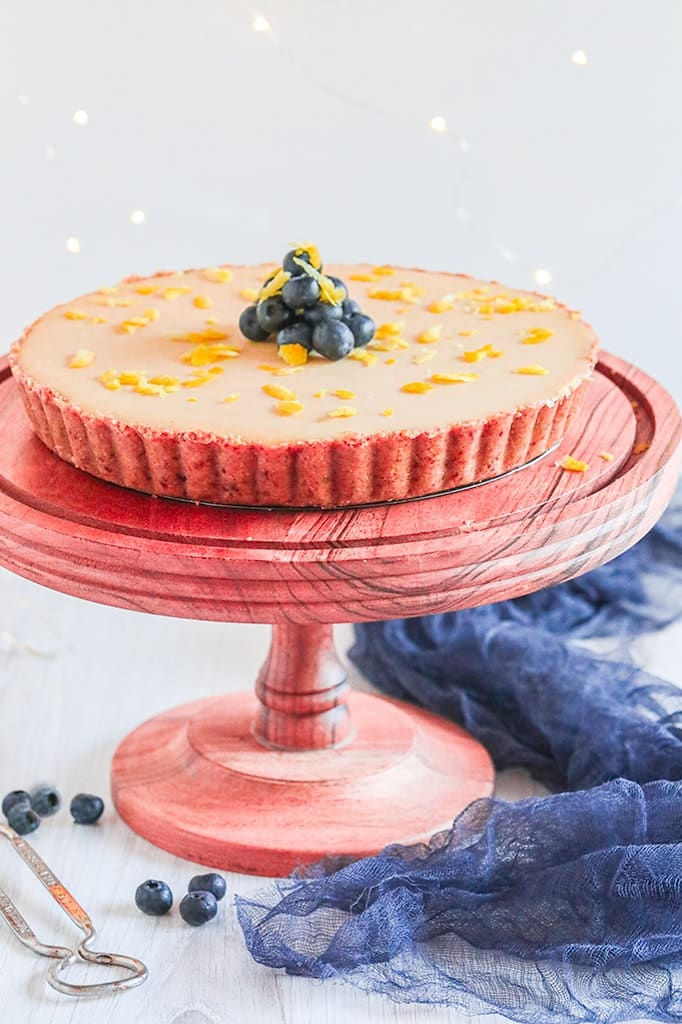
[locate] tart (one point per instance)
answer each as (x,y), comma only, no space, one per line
(151,385)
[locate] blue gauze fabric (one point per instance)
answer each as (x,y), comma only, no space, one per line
(553,909)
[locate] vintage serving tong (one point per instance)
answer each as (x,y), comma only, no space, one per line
(65,957)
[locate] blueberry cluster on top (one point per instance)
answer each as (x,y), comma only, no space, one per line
(307,310)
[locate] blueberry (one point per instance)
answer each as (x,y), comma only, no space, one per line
(301,291)
(45,800)
(293,268)
(350,306)
(299,333)
(249,326)
(212,883)
(153,897)
(273,314)
(86,809)
(322,311)
(198,908)
(22,819)
(362,328)
(333,339)
(13,799)
(339,284)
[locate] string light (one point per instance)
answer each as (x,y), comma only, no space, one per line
(579,57)
(138,217)
(73,245)
(80,118)
(261,24)
(438,124)
(542,276)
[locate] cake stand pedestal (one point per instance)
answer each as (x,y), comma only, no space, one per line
(301,769)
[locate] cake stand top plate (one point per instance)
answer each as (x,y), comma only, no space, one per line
(529,529)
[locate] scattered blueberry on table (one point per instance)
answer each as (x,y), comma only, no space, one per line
(45,800)
(16,796)
(299,297)
(22,819)
(197,908)
(154,897)
(211,882)
(86,808)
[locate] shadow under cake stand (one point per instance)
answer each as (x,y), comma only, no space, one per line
(262,782)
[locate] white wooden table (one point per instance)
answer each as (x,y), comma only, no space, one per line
(74,679)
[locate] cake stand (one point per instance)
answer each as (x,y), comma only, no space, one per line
(302,768)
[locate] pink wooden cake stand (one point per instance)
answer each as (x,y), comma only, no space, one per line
(302,768)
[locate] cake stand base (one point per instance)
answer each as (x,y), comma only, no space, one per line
(196,782)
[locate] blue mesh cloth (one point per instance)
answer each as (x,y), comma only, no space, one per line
(553,909)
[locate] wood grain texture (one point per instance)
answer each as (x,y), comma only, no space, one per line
(196,782)
(302,691)
(536,527)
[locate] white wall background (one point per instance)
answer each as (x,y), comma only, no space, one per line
(235,142)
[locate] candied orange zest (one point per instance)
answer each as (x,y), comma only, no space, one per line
(430,335)
(442,305)
(342,412)
(536,335)
(218,275)
(311,251)
(534,370)
(294,354)
(289,408)
(81,358)
(389,330)
(417,387)
(174,293)
(453,378)
(277,391)
(390,344)
(145,387)
(476,354)
(203,354)
(361,355)
(424,357)
(573,465)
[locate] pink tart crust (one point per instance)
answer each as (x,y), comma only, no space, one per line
(350,469)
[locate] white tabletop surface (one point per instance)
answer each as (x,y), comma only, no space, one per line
(74,679)
(560,154)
